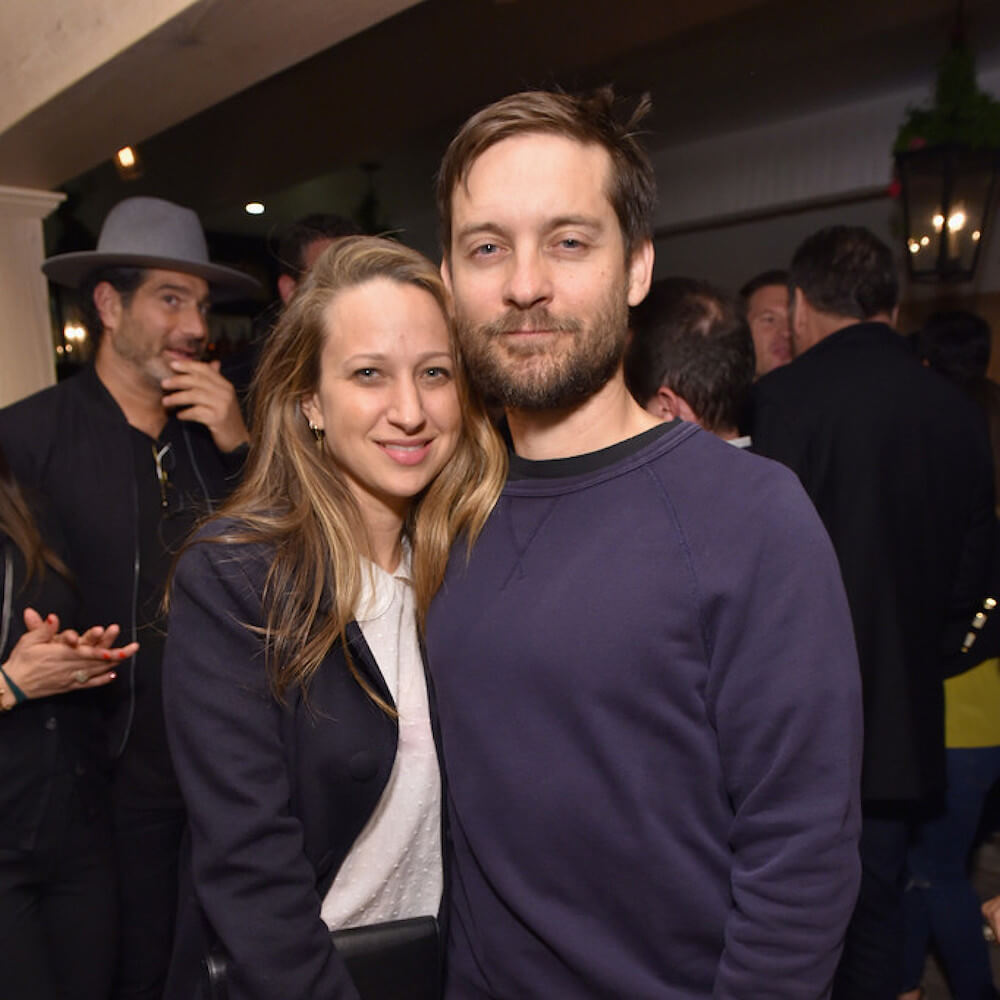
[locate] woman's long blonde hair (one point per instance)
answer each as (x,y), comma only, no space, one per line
(294,498)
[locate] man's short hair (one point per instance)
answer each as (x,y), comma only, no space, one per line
(846,271)
(694,339)
(765,279)
(294,238)
(586,118)
(956,343)
(124,280)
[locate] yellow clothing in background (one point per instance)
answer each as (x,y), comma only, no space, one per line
(972,707)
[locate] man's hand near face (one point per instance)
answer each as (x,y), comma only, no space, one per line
(198,392)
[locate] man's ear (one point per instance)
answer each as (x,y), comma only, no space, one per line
(665,404)
(286,287)
(669,405)
(446,274)
(799,306)
(640,272)
(108,303)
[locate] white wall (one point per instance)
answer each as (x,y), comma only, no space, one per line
(740,203)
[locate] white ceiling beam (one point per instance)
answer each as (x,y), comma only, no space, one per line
(89,77)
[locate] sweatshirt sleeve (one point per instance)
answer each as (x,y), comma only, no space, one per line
(250,874)
(784,696)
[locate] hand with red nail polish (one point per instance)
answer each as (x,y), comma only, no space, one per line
(46,661)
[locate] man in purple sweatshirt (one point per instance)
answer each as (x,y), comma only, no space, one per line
(646,681)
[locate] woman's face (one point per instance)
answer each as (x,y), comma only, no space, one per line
(386,396)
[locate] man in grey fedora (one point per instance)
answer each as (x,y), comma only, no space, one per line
(128,454)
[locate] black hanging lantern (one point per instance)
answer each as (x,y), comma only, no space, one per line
(947,163)
(948,193)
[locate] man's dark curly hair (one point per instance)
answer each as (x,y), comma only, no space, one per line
(846,271)
(294,238)
(694,339)
(956,343)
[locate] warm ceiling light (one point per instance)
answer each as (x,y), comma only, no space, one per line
(938,222)
(924,240)
(956,221)
(975,235)
(254,208)
(127,163)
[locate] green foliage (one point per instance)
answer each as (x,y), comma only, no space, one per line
(962,114)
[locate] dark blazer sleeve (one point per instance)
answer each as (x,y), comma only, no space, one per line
(251,876)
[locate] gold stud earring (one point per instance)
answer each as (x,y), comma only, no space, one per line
(317,432)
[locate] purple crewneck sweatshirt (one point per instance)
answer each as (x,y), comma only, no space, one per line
(649,708)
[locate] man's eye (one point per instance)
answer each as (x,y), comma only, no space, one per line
(486,250)
(570,243)
(171,300)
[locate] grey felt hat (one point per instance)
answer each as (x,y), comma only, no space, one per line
(151,232)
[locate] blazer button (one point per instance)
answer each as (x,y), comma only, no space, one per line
(50,723)
(363,766)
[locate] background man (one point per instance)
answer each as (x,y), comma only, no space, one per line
(691,356)
(128,453)
(645,676)
(298,246)
(898,465)
(302,242)
(766,298)
(957,344)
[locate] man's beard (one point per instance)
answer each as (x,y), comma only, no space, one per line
(559,371)
(145,354)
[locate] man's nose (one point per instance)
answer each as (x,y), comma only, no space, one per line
(194,322)
(529,282)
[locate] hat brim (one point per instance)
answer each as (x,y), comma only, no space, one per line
(72,269)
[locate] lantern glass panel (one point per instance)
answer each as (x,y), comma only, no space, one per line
(946,195)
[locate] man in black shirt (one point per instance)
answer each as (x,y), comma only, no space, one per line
(897,462)
(130,453)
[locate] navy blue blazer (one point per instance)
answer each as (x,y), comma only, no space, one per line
(276,793)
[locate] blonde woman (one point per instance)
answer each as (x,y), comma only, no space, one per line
(295,696)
